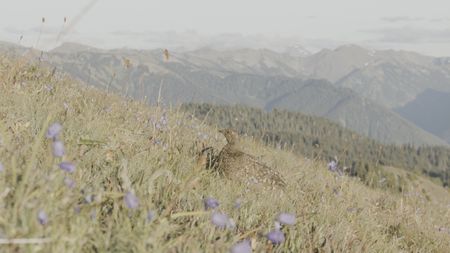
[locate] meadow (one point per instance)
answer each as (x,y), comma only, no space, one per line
(86,171)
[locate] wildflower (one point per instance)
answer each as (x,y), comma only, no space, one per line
(210,203)
(150,215)
(42,217)
(231,224)
(1,167)
(238,204)
(58,149)
(89,198)
(67,166)
(77,209)
(221,220)
(286,218)
(49,88)
(53,131)
(70,183)
(242,247)
(131,201)
(332,166)
(276,236)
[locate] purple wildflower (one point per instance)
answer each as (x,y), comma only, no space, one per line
(58,149)
(332,166)
(238,203)
(276,236)
(242,247)
(286,218)
(53,131)
(150,215)
(163,120)
(49,87)
(210,203)
(93,215)
(42,217)
(67,166)
(131,201)
(77,209)
(221,220)
(70,183)
(89,198)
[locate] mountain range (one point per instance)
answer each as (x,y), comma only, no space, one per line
(430,111)
(356,87)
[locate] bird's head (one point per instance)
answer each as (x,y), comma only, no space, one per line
(231,135)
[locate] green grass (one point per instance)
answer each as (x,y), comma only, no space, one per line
(117,149)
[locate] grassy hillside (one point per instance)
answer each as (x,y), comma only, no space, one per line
(122,148)
(320,138)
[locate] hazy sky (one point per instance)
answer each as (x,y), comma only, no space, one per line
(417,25)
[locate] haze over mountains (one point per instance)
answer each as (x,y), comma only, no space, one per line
(356,87)
(431,111)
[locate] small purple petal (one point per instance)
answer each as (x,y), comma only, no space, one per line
(238,204)
(220,220)
(58,149)
(89,198)
(150,215)
(332,166)
(42,217)
(131,201)
(276,236)
(70,183)
(210,203)
(287,218)
(77,209)
(242,247)
(67,167)
(54,130)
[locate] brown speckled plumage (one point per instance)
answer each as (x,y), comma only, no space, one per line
(235,164)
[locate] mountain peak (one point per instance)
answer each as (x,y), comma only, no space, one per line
(72,47)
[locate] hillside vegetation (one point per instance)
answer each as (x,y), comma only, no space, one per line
(320,138)
(136,185)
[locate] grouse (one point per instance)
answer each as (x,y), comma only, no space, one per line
(235,164)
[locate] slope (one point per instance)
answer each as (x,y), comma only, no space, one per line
(119,150)
(319,138)
(430,111)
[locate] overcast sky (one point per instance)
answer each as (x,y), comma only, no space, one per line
(416,25)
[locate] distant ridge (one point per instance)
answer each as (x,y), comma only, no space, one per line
(265,79)
(431,111)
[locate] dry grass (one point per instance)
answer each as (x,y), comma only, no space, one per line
(117,148)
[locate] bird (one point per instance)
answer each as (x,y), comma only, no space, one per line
(235,164)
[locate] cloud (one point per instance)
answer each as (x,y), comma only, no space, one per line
(397,19)
(410,35)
